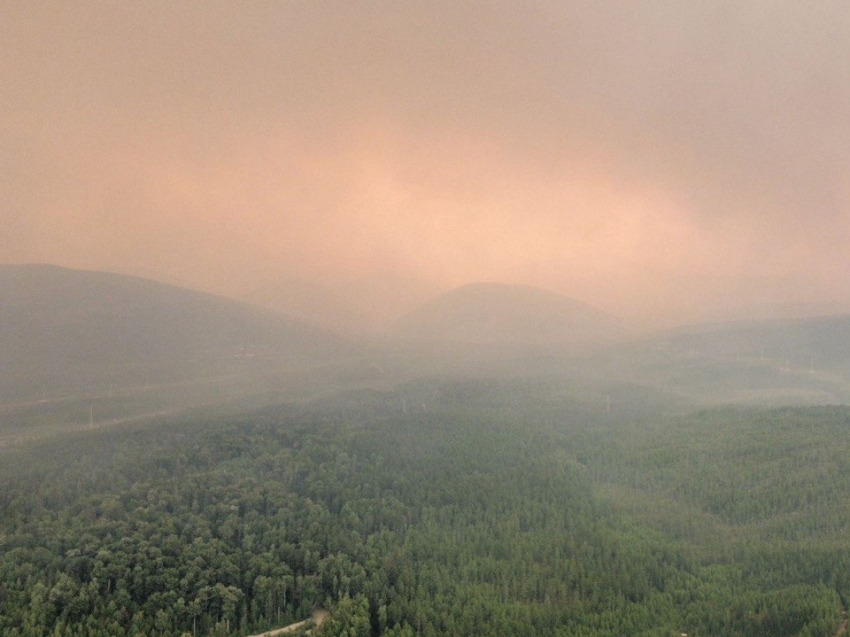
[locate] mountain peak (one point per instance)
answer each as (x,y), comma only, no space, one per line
(488,312)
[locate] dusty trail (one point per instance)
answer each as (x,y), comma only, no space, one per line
(318,617)
(842,628)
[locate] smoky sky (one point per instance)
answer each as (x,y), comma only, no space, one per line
(657,159)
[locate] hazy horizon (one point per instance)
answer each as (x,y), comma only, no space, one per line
(664,162)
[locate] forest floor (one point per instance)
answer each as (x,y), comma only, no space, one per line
(318,617)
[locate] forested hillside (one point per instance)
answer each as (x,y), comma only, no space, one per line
(441,508)
(70,332)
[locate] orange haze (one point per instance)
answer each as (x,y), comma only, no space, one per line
(663,161)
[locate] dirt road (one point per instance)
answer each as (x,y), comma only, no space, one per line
(318,617)
(843,627)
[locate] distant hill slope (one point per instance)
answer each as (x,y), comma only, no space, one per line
(822,341)
(66,329)
(356,307)
(780,362)
(489,313)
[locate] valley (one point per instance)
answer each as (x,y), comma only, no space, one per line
(683,482)
(424,319)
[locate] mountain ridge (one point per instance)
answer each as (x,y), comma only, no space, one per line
(58,324)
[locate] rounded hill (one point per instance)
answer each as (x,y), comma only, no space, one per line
(481,313)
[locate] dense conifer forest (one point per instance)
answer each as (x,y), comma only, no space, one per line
(443,507)
(435,318)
